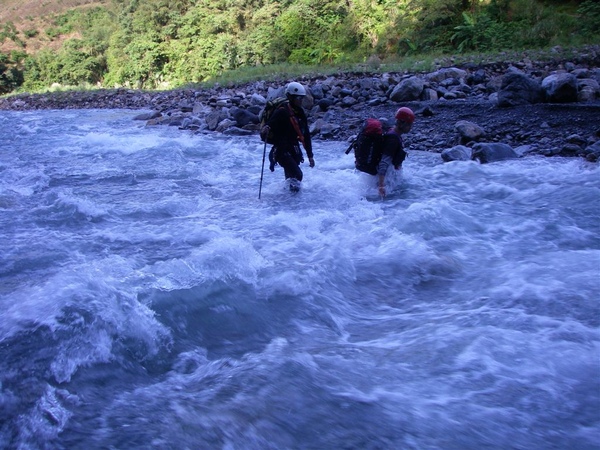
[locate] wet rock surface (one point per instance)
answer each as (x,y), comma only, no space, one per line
(549,109)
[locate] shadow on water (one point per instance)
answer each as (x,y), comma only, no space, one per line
(225,318)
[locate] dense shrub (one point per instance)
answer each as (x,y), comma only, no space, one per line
(10,75)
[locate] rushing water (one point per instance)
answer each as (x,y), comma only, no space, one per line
(149,299)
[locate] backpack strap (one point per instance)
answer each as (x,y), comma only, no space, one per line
(399,157)
(296,125)
(393,132)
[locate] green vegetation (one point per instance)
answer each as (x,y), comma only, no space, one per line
(169,43)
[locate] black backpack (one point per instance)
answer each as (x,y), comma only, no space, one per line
(368,146)
(266,114)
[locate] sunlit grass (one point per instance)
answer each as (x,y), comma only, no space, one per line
(399,64)
(55,88)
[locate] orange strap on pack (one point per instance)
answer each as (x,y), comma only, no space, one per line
(296,125)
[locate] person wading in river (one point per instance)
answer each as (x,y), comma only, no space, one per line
(393,151)
(288,126)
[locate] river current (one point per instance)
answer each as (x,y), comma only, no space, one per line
(150,300)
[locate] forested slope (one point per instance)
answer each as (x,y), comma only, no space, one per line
(167,43)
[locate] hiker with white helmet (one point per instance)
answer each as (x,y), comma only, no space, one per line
(287,128)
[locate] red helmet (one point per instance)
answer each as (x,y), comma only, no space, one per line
(405,115)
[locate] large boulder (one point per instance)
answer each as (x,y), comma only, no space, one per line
(318,92)
(468,131)
(457,153)
(560,88)
(478,77)
(408,90)
(519,89)
(214,118)
(273,93)
(323,128)
(487,152)
(257,99)
(243,117)
(592,152)
(148,116)
(447,73)
(589,90)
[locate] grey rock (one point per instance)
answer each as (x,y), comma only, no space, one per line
(589,90)
(408,90)
(148,116)
(457,153)
(468,131)
(447,73)
(243,117)
(519,89)
(487,152)
(560,88)
(592,152)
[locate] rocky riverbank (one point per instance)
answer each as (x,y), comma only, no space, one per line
(550,108)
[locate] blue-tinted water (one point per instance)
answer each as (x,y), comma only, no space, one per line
(149,299)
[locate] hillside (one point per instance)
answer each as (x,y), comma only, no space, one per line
(20,10)
(160,44)
(32,18)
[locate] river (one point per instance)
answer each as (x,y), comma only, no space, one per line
(150,299)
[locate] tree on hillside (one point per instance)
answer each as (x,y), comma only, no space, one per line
(11,77)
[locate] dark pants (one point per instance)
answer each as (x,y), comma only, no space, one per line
(290,159)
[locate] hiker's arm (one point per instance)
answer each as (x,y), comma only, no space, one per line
(264,132)
(381,185)
(382,168)
(383,165)
(308,148)
(399,158)
(307,140)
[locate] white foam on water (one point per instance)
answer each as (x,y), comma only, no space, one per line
(460,311)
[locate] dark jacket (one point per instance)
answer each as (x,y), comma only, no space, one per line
(285,135)
(392,153)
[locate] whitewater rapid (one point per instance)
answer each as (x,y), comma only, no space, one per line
(149,299)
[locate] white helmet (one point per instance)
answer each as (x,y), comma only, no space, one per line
(295,88)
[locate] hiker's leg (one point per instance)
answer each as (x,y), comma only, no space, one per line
(290,167)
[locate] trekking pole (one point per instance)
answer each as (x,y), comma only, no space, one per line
(262,170)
